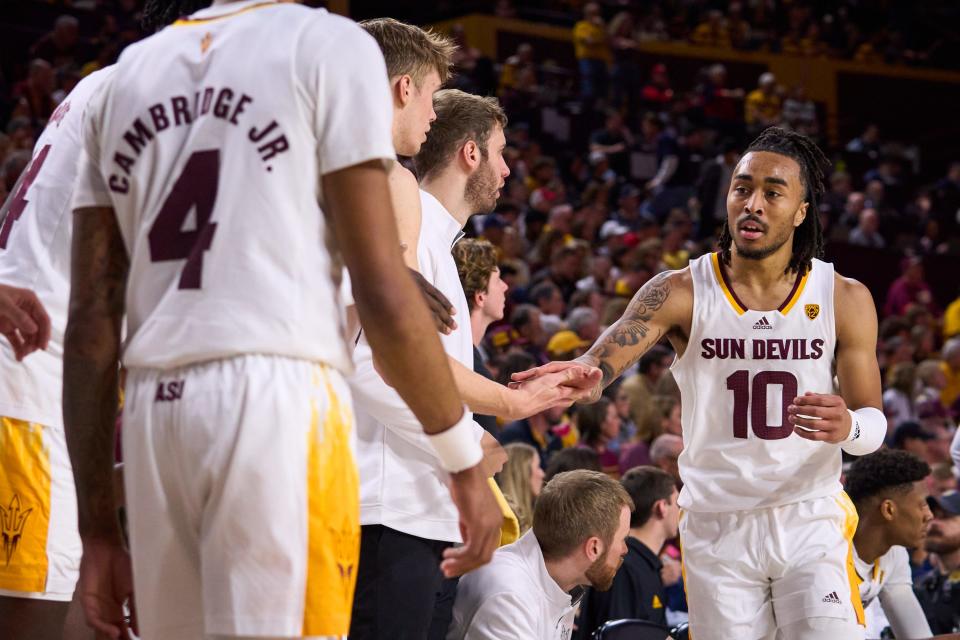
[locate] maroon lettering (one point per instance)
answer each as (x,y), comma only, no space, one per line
(707,350)
(181,115)
(241,103)
(159,116)
(168,392)
(18,203)
(759,349)
(118,184)
(817,346)
(123,161)
(207,99)
(138,136)
(272,148)
(222,106)
(257,136)
(756,399)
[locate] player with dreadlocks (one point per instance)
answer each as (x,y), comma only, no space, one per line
(760,328)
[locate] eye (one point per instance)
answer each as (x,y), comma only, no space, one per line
(772,194)
(740,190)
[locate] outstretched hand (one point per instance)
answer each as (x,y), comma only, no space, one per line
(23,321)
(580,381)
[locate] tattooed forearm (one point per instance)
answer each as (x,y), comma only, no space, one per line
(90,366)
(625,342)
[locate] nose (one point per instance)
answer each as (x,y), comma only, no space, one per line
(433,114)
(754,203)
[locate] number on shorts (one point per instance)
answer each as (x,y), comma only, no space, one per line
(195,189)
(754,398)
(19,202)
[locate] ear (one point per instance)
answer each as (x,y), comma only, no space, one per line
(660,509)
(593,548)
(470,155)
(402,90)
(478,297)
(888,510)
(801,214)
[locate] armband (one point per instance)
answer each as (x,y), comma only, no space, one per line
(457,447)
(868,428)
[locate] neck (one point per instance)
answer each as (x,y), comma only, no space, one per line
(651,535)
(950,561)
(478,326)
(565,573)
(870,541)
(449,188)
(762,273)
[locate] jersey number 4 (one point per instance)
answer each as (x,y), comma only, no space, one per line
(19,201)
(753,398)
(195,190)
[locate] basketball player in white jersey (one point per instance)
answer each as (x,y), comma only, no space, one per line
(196,213)
(888,489)
(759,330)
(37,496)
(23,320)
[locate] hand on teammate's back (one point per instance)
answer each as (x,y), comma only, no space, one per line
(825,414)
(23,321)
(440,308)
(480,520)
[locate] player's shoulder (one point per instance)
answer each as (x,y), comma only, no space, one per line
(677,282)
(403,179)
(850,291)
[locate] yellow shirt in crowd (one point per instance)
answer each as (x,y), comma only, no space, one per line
(590,41)
(760,104)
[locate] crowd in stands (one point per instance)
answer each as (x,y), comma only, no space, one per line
(581,227)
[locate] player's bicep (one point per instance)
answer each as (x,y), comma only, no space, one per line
(857,369)
(405,194)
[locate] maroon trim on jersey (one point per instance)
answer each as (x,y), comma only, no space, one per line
(736,298)
(796,285)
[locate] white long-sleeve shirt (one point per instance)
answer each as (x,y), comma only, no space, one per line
(512,598)
(402,485)
(888,581)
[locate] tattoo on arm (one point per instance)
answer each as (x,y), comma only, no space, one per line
(625,342)
(90,366)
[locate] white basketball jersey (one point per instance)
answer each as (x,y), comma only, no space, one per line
(210,141)
(35,237)
(739,373)
(891,568)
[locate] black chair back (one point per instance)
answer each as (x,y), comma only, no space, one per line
(631,630)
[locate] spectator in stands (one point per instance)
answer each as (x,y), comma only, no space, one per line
(911,437)
(580,524)
(720,103)
(34,96)
(762,106)
(834,201)
(712,32)
(931,380)
(946,198)
(514,66)
(638,591)
(599,427)
(898,396)
(571,460)
(909,289)
(521,481)
(585,322)
(712,186)
(950,396)
(566,345)
(800,112)
(951,319)
(592,51)
(657,94)
(888,489)
(486,298)
(939,592)
(535,431)
(867,231)
(867,143)
(615,141)
(61,46)
(664,453)
(625,74)
(547,297)
(525,319)
(564,270)
(942,479)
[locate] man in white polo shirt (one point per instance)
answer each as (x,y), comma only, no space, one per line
(530,589)
(408,519)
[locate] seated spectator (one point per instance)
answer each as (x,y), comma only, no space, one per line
(34,96)
(547,297)
(657,93)
(867,143)
(950,354)
(939,591)
(663,417)
(599,427)
(585,322)
(800,112)
(615,141)
(61,46)
(521,481)
(571,460)
(909,289)
(867,231)
(712,32)
(898,396)
(628,428)
(941,479)
(580,524)
(638,591)
(514,65)
(762,106)
(664,453)
(566,345)
(525,319)
(911,437)
(535,431)
(888,489)
(951,319)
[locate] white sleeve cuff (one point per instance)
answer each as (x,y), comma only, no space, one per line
(867,431)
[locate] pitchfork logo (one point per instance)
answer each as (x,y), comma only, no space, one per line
(12,522)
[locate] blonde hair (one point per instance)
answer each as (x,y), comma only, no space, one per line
(573,507)
(411,51)
(514,481)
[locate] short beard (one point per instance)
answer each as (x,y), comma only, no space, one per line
(481,185)
(600,576)
(762,252)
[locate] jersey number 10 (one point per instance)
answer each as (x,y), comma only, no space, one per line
(754,398)
(195,189)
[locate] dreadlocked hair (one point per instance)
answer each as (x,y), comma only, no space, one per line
(808,237)
(157,14)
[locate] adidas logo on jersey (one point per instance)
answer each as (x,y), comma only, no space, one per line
(832,598)
(763,323)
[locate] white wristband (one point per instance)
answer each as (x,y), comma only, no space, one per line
(868,428)
(457,447)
